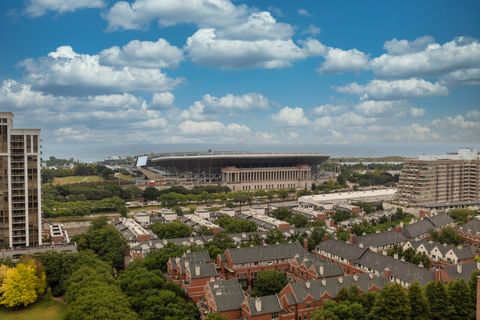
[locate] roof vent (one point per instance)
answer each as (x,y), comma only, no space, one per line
(197,270)
(355,277)
(370,275)
(324,282)
(321,270)
(340,279)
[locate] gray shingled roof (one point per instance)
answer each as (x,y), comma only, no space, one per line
(401,270)
(466,274)
(440,220)
(206,270)
(381,239)
(316,288)
(471,227)
(330,269)
(265,253)
(269,304)
(228,294)
(341,249)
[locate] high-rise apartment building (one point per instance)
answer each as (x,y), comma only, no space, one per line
(445,178)
(20,185)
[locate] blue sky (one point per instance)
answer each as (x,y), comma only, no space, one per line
(104,76)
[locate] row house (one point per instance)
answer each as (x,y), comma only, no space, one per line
(309,266)
(380,242)
(222,296)
(192,271)
(143,248)
(310,213)
(196,222)
(342,252)
(265,308)
(436,251)
(421,229)
(263,222)
(302,298)
(244,263)
(470,233)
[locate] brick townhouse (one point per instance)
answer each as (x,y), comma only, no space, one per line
(438,252)
(309,266)
(192,271)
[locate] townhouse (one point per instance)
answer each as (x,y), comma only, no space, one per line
(244,263)
(309,266)
(222,296)
(263,222)
(470,232)
(192,271)
(382,241)
(339,251)
(436,251)
(421,229)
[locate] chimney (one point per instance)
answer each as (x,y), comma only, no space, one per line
(340,279)
(459,268)
(305,244)
(399,228)
(395,256)
(325,237)
(307,284)
(421,214)
(352,238)
(438,274)
(355,277)
(321,270)
(197,270)
(387,273)
(258,304)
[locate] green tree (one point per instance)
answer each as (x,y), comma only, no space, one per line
(151,193)
(281,213)
(275,236)
(391,303)
(418,303)
(440,308)
(344,310)
(269,282)
(298,221)
(462,307)
(103,239)
(235,225)
(171,230)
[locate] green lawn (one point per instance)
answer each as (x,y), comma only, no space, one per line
(40,310)
(76,179)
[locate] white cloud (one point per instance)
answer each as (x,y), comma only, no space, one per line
(461,53)
(327,109)
(259,25)
(416,133)
(206,48)
(338,60)
(396,89)
(236,102)
(163,99)
(291,117)
(195,111)
(205,13)
(312,30)
(69,72)
(417,112)
(190,127)
(463,76)
(143,54)
(401,47)
(304,12)
(36,8)
(375,108)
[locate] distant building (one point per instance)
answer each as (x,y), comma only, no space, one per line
(263,221)
(132,231)
(58,234)
(329,200)
(240,171)
(20,185)
(421,229)
(437,180)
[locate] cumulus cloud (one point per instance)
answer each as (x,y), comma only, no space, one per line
(206,13)
(396,89)
(190,127)
(143,54)
(205,48)
(416,133)
(434,59)
(291,117)
(417,112)
(401,47)
(327,109)
(36,8)
(338,60)
(163,99)
(312,30)
(259,25)
(65,71)
(461,77)
(236,102)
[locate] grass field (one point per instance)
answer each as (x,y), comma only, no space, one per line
(76,179)
(41,310)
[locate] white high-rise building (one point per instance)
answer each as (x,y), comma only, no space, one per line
(20,185)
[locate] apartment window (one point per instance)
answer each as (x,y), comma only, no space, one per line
(308,306)
(274,315)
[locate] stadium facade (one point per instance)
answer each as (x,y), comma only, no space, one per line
(240,171)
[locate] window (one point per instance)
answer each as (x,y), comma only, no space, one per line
(275,315)
(308,306)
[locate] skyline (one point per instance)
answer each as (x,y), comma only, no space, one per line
(103,76)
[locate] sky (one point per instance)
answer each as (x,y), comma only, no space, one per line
(346,78)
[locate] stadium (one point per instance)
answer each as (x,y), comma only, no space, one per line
(237,170)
